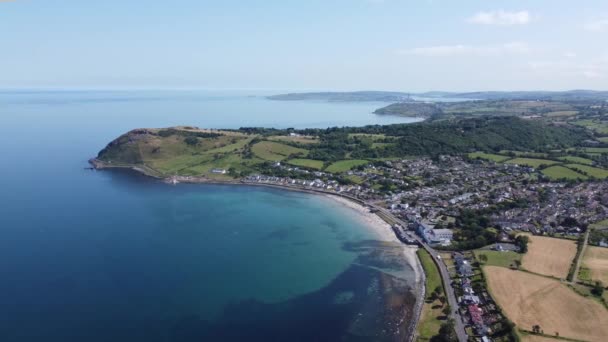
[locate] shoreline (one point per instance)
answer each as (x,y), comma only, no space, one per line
(375,224)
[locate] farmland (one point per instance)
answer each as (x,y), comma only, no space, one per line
(488,156)
(549,256)
(345,165)
(529,299)
(308,163)
(589,170)
(273,151)
(496,258)
(532,162)
(596,260)
(559,172)
(577,160)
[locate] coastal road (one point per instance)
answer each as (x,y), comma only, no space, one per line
(445,276)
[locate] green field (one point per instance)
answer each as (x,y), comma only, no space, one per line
(308,163)
(302,139)
(603,139)
(431,311)
(562,113)
(524,154)
(274,151)
(560,172)
(599,224)
(345,165)
(488,156)
(496,258)
(589,170)
(577,160)
(531,162)
(596,149)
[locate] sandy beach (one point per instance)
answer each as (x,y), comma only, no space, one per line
(382,230)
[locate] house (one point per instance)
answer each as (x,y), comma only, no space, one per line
(463,267)
(470,299)
(477,319)
(434,236)
(219,171)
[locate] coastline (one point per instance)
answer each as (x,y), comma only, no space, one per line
(375,223)
(378,226)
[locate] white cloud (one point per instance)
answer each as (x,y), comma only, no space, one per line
(594,69)
(599,25)
(470,50)
(501,18)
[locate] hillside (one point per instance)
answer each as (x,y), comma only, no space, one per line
(197,152)
(411,109)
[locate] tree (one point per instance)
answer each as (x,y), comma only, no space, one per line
(446,333)
(517,263)
(483,258)
(446,310)
(598,289)
(522,242)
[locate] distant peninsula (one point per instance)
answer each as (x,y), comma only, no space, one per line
(392,96)
(355,96)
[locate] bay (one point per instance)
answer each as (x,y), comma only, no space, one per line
(113,256)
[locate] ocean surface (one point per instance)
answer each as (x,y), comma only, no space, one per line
(114,256)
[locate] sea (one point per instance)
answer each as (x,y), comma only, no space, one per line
(114,256)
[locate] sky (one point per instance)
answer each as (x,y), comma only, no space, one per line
(402,45)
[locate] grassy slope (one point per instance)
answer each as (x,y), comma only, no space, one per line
(531,162)
(589,170)
(496,258)
(345,165)
(560,172)
(274,151)
(429,323)
(488,156)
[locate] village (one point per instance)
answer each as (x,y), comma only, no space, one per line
(428,203)
(432,194)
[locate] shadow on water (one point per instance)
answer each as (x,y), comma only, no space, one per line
(361,304)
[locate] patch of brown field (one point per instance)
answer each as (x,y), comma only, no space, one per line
(549,256)
(536,338)
(596,259)
(529,299)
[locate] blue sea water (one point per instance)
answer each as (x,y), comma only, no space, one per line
(113,256)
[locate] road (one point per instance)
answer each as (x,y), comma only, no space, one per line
(445,277)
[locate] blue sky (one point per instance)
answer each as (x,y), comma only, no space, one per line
(404,45)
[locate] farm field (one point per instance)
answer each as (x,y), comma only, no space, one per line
(345,165)
(532,162)
(590,170)
(560,172)
(302,139)
(596,149)
(524,154)
(496,258)
(529,299)
(488,156)
(537,338)
(549,256)
(596,260)
(309,163)
(273,151)
(577,160)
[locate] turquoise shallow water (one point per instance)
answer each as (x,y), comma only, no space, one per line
(102,256)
